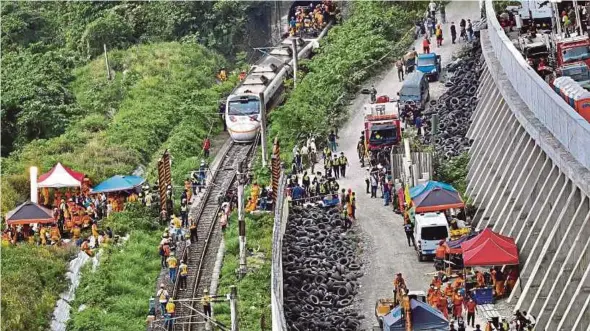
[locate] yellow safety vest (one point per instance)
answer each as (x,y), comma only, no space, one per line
(172,262)
(183,269)
(205,300)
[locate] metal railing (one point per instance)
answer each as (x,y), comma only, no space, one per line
(567,126)
(281,214)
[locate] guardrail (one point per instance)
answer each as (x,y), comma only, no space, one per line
(572,130)
(276,297)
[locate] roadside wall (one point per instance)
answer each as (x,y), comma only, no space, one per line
(528,176)
(280,224)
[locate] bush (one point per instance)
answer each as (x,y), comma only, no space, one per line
(254,288)
(375,33)
(116,294)
(32,279)
(454,171)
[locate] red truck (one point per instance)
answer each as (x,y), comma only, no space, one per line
(382,126)
(571,50)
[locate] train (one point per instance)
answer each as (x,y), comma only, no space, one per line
(244,105)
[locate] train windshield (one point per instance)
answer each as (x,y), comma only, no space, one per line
(383,134)
(244,106)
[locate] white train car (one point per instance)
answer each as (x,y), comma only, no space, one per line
(242,111)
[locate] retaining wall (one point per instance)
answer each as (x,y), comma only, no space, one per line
(529,176)
(281,214)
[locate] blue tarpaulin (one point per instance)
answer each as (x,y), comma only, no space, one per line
(424,318)
(118,183)
(428,186)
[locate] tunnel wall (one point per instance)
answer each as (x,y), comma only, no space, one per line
(528,175)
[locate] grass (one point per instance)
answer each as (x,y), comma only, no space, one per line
(116,295)
(254,288)
(32,279)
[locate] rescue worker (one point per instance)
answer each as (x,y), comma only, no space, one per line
(441,304)
(170,308)
(206,302)
(471,305)
(459,282)
(163,296)
(511,279)
(306,182)
(206,146)
(481,282)
(193,231)
(504,326)
(177,228)
(426,45)
(408,229)
(432,297)
(55,235)
(183,275)
(242,75)
(399,281)
(172,267)
(95,231)
(85,247)
(373,93)
(439,255)
(328,166)
(43,235)
(499,283)
(336,166)
(449,290)
(457,305)
(45,194)
(437,282)
(164,251)
(439,36)
(222,75)
(332,141)
(188,190)
(343,162)
(184,213)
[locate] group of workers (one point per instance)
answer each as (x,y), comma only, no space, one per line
(311,19)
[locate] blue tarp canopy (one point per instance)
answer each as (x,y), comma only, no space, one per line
(424,318)
(118,183)
(429,186)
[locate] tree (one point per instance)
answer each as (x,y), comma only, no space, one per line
(111,30)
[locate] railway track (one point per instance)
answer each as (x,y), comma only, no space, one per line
(200,256)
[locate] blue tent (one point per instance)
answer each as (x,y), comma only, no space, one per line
(118,183)
(424,318)
(429,186)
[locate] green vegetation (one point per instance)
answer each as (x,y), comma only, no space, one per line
(116,294)
(454,171)
(254,288)
(374,34)
(32,279)
(154,87)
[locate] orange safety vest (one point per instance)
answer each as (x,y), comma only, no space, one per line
(440,252)
(425,43)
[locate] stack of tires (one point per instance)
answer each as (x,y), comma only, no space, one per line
(457,104)
(320,271)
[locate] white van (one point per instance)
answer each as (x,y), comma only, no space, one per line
(429,230)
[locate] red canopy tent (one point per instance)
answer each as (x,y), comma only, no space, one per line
(506,243)
(489,253)
(28,213)
(60,176)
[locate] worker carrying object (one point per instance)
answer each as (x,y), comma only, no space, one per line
(86,248)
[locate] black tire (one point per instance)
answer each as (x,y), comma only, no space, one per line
(420,257)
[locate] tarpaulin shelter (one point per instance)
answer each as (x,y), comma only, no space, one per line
(503,241)
(118,183)
(424,317)
(454,246)
(60,176)
(489,249)
(29,213)
(435,196)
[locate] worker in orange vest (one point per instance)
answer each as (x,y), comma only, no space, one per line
(95,230)
(481,282)
(432,296)
(459,282)
(449,290)
(86,248)
(426,45)
(441,304)
(457,305)
(437,282)
(55,235)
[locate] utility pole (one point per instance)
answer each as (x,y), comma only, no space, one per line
(294,43)
(263,127)
(233,306)
(241,221)
(106,59)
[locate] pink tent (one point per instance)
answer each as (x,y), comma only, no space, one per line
(60,176)
(506,243)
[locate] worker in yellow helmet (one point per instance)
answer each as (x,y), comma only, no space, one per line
(183,270)
(170,309)
(206,302)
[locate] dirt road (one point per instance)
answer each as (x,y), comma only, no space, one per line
(385,250)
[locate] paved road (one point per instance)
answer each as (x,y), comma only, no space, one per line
(385,250)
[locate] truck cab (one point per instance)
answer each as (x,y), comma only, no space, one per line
(382,125)
(572,50)
(429,64)
(429,229)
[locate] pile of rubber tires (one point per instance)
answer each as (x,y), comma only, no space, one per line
(457,104)
(320,272)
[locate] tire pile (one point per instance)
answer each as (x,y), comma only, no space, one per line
(456,105)
(320,272)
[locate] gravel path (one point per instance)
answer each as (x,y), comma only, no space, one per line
(384,249)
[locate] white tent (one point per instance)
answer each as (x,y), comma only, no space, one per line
(60,176)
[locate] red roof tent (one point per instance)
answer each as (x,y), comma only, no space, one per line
(489,254)
(488,249)
(506,243)
(28,213)
(60,176)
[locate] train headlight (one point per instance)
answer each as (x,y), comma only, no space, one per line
(232,118)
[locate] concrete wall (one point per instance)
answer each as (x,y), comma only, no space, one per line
(281,215)
(531,186)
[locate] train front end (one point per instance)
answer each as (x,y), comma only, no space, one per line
(242,117)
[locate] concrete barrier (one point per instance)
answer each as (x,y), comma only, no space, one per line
(570,129)
(281,214)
